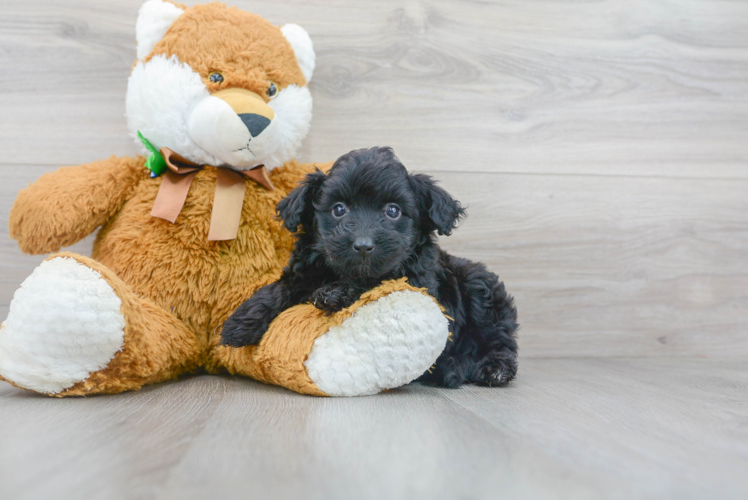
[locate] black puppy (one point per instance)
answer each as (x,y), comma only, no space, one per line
(367,221)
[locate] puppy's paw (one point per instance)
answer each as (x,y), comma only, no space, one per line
(495,371)
(246,326)
(334,297)
(448,371)
(242,332)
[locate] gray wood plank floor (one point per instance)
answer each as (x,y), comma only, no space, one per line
(602,150)
(585,428)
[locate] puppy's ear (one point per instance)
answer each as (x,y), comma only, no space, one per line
(439,211)
(297,208)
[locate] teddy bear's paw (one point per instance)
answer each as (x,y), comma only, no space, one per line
(384,344)
(64,323)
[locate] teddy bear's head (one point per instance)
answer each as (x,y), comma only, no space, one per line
(220,86)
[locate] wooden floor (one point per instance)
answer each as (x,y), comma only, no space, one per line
(602,150)
(568,428)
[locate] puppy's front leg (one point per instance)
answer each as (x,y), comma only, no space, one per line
(251,320)
(336,296)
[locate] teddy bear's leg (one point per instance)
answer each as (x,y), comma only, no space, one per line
(74,328)
(389,337)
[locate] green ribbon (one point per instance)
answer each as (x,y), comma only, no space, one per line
(155,163)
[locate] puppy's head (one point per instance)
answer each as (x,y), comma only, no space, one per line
(368,214)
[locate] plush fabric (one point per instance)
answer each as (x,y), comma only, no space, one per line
(90,327)
(247,51)
(154,21)
(150,302)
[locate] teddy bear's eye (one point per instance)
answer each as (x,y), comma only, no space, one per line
(338,210)
(272,90)
(392,211)
(216,77)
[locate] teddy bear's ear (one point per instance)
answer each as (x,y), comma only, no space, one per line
(154,20)
(302,47)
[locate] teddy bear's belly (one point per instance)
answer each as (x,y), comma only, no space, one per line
(175,265)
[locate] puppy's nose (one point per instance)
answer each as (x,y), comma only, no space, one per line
(254,123)
(363,245)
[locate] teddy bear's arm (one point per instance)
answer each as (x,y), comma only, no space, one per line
(65,206)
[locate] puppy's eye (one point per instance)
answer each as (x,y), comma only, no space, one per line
(272,90)
(216,77)
(392,211)
(338,210)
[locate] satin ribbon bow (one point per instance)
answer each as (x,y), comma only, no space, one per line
(227,200)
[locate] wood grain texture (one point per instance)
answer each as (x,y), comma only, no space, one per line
(606,87)
(613,266)
(616,428)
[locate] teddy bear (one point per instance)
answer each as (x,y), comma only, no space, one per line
(218,103)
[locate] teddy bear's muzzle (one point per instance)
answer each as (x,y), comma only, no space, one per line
(235,125)
(245,102)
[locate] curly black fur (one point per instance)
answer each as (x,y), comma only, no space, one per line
(338,256)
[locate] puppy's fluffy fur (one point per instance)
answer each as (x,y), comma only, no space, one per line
(367,221)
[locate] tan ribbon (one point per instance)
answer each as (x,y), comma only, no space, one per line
(227,200)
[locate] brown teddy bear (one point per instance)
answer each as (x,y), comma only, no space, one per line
(218,100)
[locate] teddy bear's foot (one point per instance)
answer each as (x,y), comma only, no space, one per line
(384,344)
(64,323)
(74,328)
(388,338)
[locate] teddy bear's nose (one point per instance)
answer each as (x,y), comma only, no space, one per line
(254,123)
